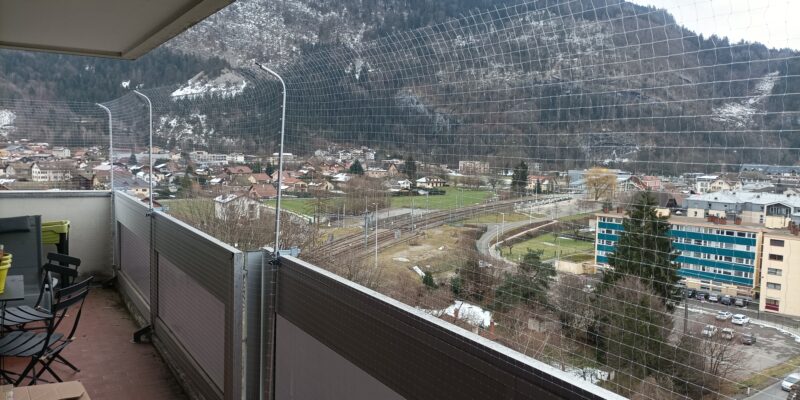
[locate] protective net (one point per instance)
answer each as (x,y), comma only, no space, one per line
(588,183)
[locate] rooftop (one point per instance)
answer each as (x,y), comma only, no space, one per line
(748,197)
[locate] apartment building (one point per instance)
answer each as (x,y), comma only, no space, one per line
(470,167)
(54,171)
(714,257)
(768,209)
(739,244)
(780,274)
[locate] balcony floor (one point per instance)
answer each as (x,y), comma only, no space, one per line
(112,366)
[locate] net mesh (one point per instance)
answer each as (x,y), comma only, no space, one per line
(589,183)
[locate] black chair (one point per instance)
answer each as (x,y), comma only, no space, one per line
(64,261)
(59,275)
(45,347)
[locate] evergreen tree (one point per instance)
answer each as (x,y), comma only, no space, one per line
(356,168)
(269,169)
(538,186)
(645,249)
(411,170)
(519,180)
(529,285)
(428,281)
(132,160)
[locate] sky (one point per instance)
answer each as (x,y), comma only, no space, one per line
(775,23)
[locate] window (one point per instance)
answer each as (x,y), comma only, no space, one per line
(776,243)
(776,286)
(772,305)
(776,257)
(774,271)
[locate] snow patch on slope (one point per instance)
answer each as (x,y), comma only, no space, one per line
(740,114)
(6,122)
(228,84)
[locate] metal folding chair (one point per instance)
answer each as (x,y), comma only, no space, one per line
(45,347)
(60,271)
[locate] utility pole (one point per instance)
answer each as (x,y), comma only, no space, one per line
(503,230)
(427,210)
(685,312)
(376,235)
(412,214)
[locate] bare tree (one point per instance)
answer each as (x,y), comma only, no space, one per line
(242,231)
(600,183)
(363,193)
(574,305)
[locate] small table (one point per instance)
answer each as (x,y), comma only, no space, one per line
(15,290)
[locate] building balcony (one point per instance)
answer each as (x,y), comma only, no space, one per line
(220,323)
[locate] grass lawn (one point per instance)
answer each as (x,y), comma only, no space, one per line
(550,246)
(453,198)
(296,205)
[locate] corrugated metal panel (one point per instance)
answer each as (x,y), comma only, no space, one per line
(133,214)
(414,354)
(252,353)
(194,316)
(194,380)
(133,225)
(207,260)
(209,270)
(135,267)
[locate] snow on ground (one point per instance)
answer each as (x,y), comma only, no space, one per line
(754,322)
(467,312)
(740,114)
(228,84)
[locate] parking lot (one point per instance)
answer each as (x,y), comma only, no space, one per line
(774,345)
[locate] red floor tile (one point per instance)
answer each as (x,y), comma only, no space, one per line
(112,366)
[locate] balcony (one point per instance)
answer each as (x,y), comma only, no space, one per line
(227,324)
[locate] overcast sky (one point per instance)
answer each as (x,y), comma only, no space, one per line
(776,23)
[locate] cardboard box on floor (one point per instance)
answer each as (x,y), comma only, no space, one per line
(72,390)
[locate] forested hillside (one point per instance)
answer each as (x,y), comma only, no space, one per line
(577,81)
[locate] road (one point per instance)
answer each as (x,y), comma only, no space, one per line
(556,210)
(772,392)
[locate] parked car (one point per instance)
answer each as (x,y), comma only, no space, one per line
(709,330)
(726,300)
(740,319)
(728,333)
(739,302)
(689,293)
(713,298)
(789,381)
(723,315)
(701,295)
(748,338)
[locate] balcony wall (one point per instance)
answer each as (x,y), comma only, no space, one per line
(89,213)
(322,336)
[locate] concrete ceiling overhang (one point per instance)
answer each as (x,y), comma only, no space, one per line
(107,28)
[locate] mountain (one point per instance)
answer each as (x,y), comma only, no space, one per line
(566,83)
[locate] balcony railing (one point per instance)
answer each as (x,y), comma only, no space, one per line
(299,332)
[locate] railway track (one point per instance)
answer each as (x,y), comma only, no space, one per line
(408,228)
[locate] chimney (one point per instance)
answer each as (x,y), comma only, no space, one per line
(455,313)
(491,329)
